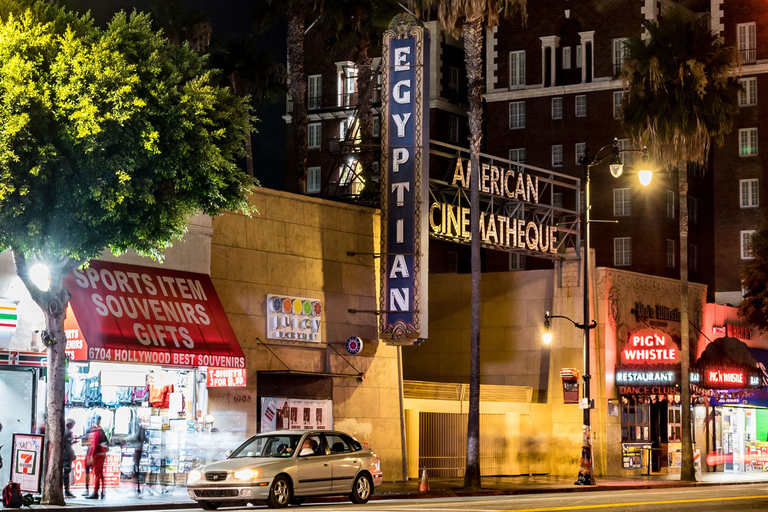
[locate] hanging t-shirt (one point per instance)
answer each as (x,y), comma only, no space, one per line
(92,391)
(124,420)
(140,394)
(176,403)
(77,390)
(159,396)
(109,395)
(124,395)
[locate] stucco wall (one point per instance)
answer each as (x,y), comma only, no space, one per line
(297,246)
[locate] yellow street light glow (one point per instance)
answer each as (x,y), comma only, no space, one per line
(645,177)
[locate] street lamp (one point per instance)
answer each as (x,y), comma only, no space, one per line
(616,167)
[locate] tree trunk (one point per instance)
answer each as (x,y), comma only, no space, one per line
(297,13)
(686,469)
(473,45)
(54,305)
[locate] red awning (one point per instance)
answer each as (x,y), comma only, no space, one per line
(128,313)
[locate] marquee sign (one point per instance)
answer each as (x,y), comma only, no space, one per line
(404,231)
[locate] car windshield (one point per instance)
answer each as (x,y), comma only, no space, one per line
(267,446)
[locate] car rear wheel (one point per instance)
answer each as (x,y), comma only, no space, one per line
(361,490)
(280,494)
(209,505)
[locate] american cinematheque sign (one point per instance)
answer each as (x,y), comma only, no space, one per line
(404,233)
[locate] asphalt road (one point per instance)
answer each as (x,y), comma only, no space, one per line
(726,498)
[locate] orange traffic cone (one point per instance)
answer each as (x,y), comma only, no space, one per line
(424,485)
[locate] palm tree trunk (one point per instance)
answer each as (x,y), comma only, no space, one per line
(686,469)
(297,10)
(473,45)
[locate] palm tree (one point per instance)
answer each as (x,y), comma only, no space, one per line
(684,71)
(471,17)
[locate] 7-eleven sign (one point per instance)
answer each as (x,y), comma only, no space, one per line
(25,462)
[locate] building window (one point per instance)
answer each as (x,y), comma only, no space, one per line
(581,148)
(453,78)
(748,141)
(516,261)
(453,261)
(635,422)
(347,83)
(517,155)
(670,204)
(314,92)
(748,94)
(674,423)
(313,135)
(557,108)
(746,244)
(578,56)
(749,193)
(517,114)
(313,180)
(557,199)
(581,105)
(619,51)
(453,129)
(557,155)
(622,252)
(746,37)
(567,57)
(517,68)
(622,202)
(670,253)
(693,210)
(618,97)
(375,126)
(693,258)
(625,146)
(582,201)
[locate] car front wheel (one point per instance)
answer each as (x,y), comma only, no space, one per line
(280,494)
(361,490)
(209,505)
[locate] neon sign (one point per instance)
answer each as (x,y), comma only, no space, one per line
(645,377)
(650,349)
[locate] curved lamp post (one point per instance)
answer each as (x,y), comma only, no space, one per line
(616,166)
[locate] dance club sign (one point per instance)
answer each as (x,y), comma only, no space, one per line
(405,193)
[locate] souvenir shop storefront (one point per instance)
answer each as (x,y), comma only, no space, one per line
(144,346)
(733,378)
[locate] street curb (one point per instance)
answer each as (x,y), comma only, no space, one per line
(458,493)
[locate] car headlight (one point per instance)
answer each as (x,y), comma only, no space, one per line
(194,476)
(246,474)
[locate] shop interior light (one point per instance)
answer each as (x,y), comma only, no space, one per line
(209,418)
(40,276)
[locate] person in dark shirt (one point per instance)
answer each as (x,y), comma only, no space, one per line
(67,456)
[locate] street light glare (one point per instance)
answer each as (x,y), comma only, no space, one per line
(546,337)
(645,177)
(40,276)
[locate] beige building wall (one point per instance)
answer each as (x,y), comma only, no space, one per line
(297,246)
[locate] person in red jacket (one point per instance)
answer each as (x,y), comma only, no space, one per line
(97,453)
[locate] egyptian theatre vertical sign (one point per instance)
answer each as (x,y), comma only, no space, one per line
(405,190)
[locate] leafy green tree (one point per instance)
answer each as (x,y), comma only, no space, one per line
(111,139)
(754,278)
(681,96)
(471,18)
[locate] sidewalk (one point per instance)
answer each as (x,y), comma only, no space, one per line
(123,498)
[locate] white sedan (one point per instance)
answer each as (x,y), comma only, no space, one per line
(285,467)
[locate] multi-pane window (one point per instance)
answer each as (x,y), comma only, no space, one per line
(693,210)
(674,422)
(618,97)
(314,92)
(581,105)
(557,108)
(746,38)
(635,422)
(746,244)
(748,141)
(516,261)
(622,252)
(557,199)
(619,51)
(517,68)
(622,202)
(313,135)
(313,180)
(517,155)
(453,128)
(625,146)
(693,258)
(376,126)
(517,114)
(347,84)
(670,253)
(670,204)
(567,57)
(453,78)
(557,155)
(749,193)
(581,148)
(748,94)
(578,56)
